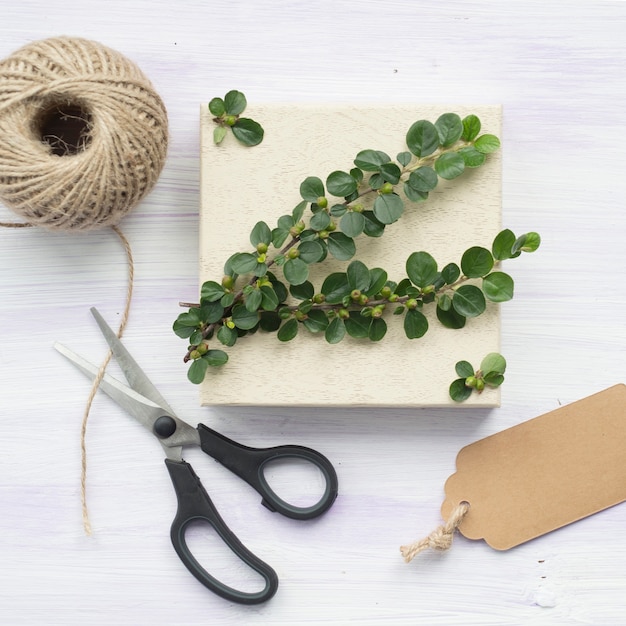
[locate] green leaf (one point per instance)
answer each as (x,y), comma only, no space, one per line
(378,279)
(415,324)
(311,251)
(296,271)
(422,138)
(341,246)
(298,211)
(459,391)
(215,358)
(211,291)
(464,369)
(243,318)
(320,221)
(248,132)
(502,247)
(493,380)
(337,210)
(341,184)
(352,224)
(487,144)
(450,273)
(450,318)
(371,160)
(335,287)
(498,287)
(219,133)
(288,330)
(469,301)
(450,128)
(388,208)
(212,312)
(423,179)
(358,276)
(404,158)
(261,233)
(450,165)
(357,325)
(234,102)
(227,336)
(527,243)
(444,302)
(311,189)
(270,321)
(377,329)
(279,236)
(182,329)
(335,331)
(493,363)
(413,195)
(243,263)
(471,156)
(316,321)
(376,181)
(269,301)
(304,291)
(471,128)
(372,227)
(421,268)
(476,262)
(391,173)
(216,106)
(197,371)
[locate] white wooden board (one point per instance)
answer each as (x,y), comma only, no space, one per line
(240,186)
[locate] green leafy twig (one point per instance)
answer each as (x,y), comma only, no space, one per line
(362,201)
(489,374)
(227,112)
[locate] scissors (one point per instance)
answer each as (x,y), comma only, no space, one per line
(143,401)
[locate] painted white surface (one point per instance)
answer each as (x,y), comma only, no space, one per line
(559,70)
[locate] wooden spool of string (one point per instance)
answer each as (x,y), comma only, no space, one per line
(83,138)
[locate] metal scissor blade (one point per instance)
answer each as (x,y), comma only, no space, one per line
(136,377)
(134,403)
(143,409)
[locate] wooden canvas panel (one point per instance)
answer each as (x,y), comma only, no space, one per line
(240,186)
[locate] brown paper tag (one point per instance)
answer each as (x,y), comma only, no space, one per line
(544,473)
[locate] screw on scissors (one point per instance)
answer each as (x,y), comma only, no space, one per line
(142,400)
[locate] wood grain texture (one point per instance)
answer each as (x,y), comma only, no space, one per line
(240,186)
(559,70)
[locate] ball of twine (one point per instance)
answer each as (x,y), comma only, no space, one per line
(83,134)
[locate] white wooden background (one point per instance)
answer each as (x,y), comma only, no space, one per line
(559,69)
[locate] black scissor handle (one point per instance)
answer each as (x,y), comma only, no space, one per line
(194,504)
(250,464)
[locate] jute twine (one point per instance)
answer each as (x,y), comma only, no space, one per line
(441,538)
(83,138)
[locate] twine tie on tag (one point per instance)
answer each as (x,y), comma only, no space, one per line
(441,538)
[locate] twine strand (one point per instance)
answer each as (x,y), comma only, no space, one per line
(441,538)
(98,380)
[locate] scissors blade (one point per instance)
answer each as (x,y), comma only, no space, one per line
(141,408)
(136,377)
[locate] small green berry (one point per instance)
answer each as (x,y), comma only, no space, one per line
(343,314)
(385,292)
(411,303)
(294,253)
(363,299)
(230,120)
(228,282)
(318,298)
(202,348)
(261,248)
(322,202)
(480,384)
(195,354)
(471,381)
(261,258)
(386,188)
(355,294)
(323,234)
